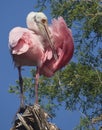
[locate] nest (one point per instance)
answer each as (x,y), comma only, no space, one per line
(33,118)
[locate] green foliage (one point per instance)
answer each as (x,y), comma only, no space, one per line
(85,124)
(87,11)
(84,17)
(77,85)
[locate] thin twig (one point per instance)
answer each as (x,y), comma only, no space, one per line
(23,121)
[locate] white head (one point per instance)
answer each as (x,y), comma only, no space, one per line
(36,21)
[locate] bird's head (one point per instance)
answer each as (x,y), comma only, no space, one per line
(37,22)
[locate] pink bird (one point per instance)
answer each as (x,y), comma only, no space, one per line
(48,48)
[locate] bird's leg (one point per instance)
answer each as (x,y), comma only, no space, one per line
(36,85)
(21,89)
(22,106)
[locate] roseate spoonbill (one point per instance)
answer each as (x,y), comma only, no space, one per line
(37,45)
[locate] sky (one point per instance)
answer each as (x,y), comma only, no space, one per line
(13,13)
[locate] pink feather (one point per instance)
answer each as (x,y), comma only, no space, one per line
(26,47)
(63,41)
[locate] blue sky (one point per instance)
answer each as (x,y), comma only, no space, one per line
(13,13)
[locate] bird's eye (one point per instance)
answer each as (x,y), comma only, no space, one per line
(43,20)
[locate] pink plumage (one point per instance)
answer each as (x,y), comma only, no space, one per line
(63,42)
(26,47)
